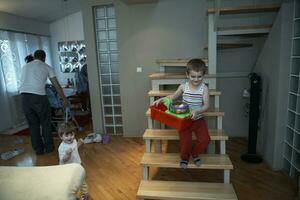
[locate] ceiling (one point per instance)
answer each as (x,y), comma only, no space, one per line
(40,10)
(139,1)
(49,10)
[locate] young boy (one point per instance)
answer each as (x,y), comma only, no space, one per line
(195,93)
(68,151)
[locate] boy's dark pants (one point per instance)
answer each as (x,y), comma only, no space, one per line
(38,113)
(187,148)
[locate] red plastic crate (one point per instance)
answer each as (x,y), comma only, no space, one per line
(158,113)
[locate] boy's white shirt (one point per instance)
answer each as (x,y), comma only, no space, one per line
(63,147)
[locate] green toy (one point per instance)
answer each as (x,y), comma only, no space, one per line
(167,102)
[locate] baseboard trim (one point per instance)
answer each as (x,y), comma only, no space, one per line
(14,130)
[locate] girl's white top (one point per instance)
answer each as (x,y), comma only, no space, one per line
(63,147)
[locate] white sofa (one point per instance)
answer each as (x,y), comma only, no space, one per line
(59,182)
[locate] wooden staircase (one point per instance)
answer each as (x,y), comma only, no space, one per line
(155,189)
(150,189)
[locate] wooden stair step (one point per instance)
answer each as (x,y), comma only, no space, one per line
(170,75)
(172,134)
(185,190)
(171,160)
(246,9)
(212,112)
(241,30)
(176,62)
(221,46)
(163,93)
(174,75)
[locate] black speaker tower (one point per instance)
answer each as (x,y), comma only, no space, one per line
(255,90)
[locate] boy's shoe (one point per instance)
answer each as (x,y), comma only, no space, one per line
(183,164)
(197,161)
(49,150)
(39,152)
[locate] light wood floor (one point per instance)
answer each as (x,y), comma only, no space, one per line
(114,173)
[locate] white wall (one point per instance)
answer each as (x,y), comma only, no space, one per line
(167,29)
(69,28)
(273,66)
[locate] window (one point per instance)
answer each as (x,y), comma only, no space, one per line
(291,154)
(14,48)
(108,64)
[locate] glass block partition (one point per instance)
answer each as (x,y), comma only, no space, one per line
(108,65)
(291,152)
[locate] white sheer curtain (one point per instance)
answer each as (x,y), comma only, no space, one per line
(14,47)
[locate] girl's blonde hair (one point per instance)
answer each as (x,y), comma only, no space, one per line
(66,127)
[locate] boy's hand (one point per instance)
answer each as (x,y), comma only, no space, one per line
(195,114)
(157,102)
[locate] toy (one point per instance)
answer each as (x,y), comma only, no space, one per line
(162,114)
(179,107)
(105,138)
(10,154)
(92,137)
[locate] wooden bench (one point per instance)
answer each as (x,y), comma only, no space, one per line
(185,190)
(171,160)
